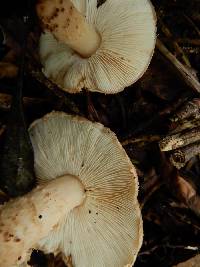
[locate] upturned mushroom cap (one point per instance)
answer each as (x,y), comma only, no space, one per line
(106,229)
(128,32)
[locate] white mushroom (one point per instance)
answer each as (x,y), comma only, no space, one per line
(102,49)
(27,219)
(86,204)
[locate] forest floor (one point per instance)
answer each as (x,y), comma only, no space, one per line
(140,116)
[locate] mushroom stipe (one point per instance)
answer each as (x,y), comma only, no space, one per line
(102,49)
(85,204)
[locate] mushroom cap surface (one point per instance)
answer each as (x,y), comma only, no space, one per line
(106,229)
(128,33)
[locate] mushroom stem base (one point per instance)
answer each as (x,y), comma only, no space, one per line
(26,220)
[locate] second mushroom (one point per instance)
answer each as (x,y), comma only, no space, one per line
(85,205)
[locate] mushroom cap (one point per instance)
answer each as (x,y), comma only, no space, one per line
(106,229)
(128,33)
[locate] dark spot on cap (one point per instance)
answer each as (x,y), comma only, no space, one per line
(97,213)
(89,211)
(118,208)
(40,216)
(17,239)
(19,258)
(62,9)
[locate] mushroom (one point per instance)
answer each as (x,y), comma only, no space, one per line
(85,205)
(102,49)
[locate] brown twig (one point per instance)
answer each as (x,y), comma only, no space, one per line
(191,108)
(181,70)
(178,49)
(192,23)
(187,117)
(6,99)
(182,155)
(179,140)
(184,125)
(142,139)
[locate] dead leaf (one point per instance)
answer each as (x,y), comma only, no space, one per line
(8,70)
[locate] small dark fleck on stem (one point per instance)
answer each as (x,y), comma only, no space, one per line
(17,239)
